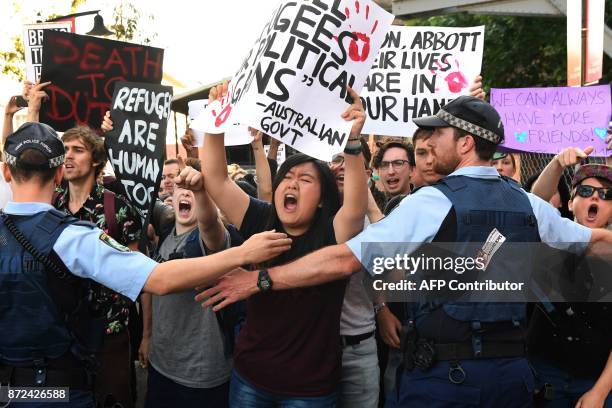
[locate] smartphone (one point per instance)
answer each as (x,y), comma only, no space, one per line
(21,102)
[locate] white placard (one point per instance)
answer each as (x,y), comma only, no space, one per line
(235,135)
(32,42)
(292,84)
(418,70)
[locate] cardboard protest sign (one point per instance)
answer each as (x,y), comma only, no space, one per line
(280,153)
(235,135)
(292,84)
(83,71)
(418,70)
(547,120)
(33,45)
(136,145)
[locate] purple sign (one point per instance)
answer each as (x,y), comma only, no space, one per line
(547,120)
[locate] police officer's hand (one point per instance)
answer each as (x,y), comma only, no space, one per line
(389,327)
(107,123)
(189,178)
(594,398)
(237,285)
(263,247)
(572,155)
(143,352)
(355,113)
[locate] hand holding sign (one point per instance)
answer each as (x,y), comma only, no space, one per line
(572,156)
(215,118)
(36,96)
(355,113)
(476,89)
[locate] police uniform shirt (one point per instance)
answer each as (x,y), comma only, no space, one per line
(88,253)
(419,217)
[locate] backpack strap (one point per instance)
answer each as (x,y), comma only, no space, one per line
(110,215)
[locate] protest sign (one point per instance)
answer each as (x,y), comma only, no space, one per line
(292,84)
(136,145)
(418,70)
(547,120)
(280,153)
(235,135)
(33,45)
(83,71)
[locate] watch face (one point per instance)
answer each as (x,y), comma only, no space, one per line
(264,284)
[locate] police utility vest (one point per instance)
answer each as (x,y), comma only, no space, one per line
(43,316)
(482,206)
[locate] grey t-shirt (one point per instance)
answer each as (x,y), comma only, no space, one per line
(357,310)
(187,343)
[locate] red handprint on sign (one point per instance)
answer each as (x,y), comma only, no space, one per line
(455,80)
(359,49)
(224,111)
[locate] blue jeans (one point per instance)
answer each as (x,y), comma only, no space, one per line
(567,388)
(162,392)
(495,383)
(245,395)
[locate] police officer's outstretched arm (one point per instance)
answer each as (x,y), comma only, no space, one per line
(181,274)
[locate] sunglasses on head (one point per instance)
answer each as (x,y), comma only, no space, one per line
(586,191)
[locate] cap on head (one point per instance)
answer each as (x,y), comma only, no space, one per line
(499,155)
(600,171)
(38,136)
(470,114)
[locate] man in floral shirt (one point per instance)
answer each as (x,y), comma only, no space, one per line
(86,199)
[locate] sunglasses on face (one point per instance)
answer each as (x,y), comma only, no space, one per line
(586,191)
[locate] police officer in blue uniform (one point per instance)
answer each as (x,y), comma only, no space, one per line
(466,354)
(48,329)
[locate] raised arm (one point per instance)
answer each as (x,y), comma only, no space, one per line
(262,169)
(212,231)
(545,186)
(349,219)
(188,142)
(35,97)
(225,193)
(9,112)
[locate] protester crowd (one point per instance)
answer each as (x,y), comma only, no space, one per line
(313,344)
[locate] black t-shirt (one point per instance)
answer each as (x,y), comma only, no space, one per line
(290,344)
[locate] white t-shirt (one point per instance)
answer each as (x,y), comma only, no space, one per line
(6,194)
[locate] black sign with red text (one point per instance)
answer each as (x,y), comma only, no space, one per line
(83,70)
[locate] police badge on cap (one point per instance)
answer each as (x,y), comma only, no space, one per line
(37,136)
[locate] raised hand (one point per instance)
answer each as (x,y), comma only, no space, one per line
(572,155)
(107,123)
(355,113)
(188,177)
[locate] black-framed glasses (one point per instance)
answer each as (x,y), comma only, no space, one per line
(585,191)
(396,164)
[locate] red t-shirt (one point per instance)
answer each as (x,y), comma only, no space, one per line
(290,344)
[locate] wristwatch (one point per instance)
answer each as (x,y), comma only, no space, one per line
(379,307)
(264,283)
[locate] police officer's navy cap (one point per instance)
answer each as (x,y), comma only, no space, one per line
(470,114)
(38,136)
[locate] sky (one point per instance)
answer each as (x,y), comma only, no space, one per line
(204,40)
